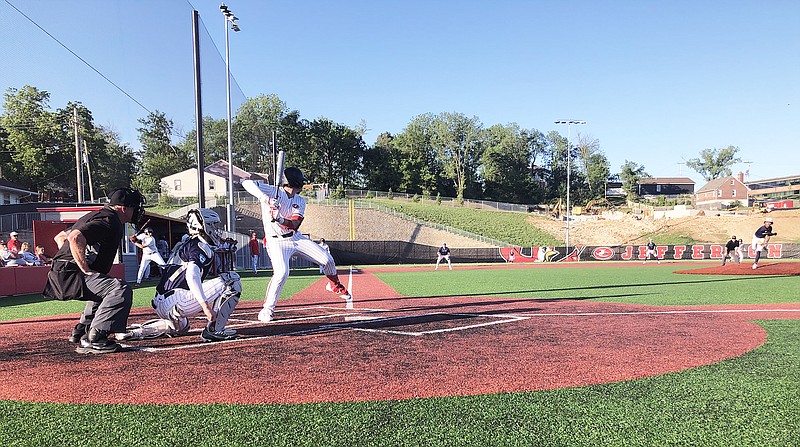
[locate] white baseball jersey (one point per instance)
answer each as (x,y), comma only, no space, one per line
(288,207)
(148,244)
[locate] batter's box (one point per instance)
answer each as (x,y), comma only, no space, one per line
(433,323)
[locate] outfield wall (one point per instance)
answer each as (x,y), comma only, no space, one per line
(400,252)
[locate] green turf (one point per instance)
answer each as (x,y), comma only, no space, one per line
(752,400)
(253,288)
(641,284)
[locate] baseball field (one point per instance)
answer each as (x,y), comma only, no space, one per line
(518,355)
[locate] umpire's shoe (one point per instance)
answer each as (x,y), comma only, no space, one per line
(78,332)
(210,334)
(97,342)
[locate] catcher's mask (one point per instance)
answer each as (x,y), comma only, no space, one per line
(206,224)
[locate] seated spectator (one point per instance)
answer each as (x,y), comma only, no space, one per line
(43,258)
(26,257)
(6,256)
(14,242)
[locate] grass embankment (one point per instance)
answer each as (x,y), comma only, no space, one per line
(512,228)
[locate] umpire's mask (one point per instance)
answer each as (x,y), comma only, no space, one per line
(130,198)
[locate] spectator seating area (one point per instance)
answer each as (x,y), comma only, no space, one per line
(23,280)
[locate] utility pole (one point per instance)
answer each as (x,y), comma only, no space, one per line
(78,158)
(88,170)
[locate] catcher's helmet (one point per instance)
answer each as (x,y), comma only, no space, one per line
(206,224)
(293,177)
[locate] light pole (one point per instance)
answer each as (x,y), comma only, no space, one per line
(229,18)
(569,156)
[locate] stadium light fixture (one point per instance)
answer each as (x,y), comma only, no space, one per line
(229,18)
(569,123)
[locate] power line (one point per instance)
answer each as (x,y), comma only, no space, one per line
(79,58)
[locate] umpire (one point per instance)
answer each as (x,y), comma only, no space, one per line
(80,271)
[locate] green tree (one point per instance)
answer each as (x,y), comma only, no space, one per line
(338,151)
(41,155)
(112,163)
(630,175)
(715,163)
(159,157)
(589,154)
(253,125)
(421,171)
(383,164)
(554,162)
(505,164)
(597,175)
(215,142)
(458,141)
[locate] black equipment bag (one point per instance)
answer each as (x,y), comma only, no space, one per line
(65,281)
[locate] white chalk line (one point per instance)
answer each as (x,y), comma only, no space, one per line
(368,313)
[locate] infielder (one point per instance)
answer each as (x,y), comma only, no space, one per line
(147,243)
(761,239)
(733,250)
(651,250)
(182,293)
(443,253)
(282,217)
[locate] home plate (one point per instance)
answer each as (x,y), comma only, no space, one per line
(360,318)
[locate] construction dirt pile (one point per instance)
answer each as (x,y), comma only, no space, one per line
(613,229)
(711,228)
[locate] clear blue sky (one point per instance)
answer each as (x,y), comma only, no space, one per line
(656,81)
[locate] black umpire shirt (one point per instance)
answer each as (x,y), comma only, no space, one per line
(103,232)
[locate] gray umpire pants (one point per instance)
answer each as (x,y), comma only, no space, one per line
(109,304)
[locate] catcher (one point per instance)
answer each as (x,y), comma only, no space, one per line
(182,293)
(761,239)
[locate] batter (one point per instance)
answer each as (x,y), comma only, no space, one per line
(282,212)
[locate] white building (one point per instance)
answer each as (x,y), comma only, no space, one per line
(215,179)
(11,194)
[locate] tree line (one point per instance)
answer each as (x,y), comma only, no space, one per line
(448,154)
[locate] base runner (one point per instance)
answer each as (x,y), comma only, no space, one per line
(282,212)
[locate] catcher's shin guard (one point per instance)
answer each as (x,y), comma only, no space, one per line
(229,298)
(150,329)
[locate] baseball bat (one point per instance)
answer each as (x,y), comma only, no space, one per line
(278,172)
(140,230)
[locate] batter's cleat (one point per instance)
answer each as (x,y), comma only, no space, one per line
(755,266)
(265,316)
(338,289)
(97,342)
(209,335)
(78,331)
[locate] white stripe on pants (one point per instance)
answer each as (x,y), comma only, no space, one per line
(185,300)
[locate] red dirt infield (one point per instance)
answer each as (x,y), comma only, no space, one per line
(387,347)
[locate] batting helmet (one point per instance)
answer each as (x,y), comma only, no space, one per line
(293,177)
